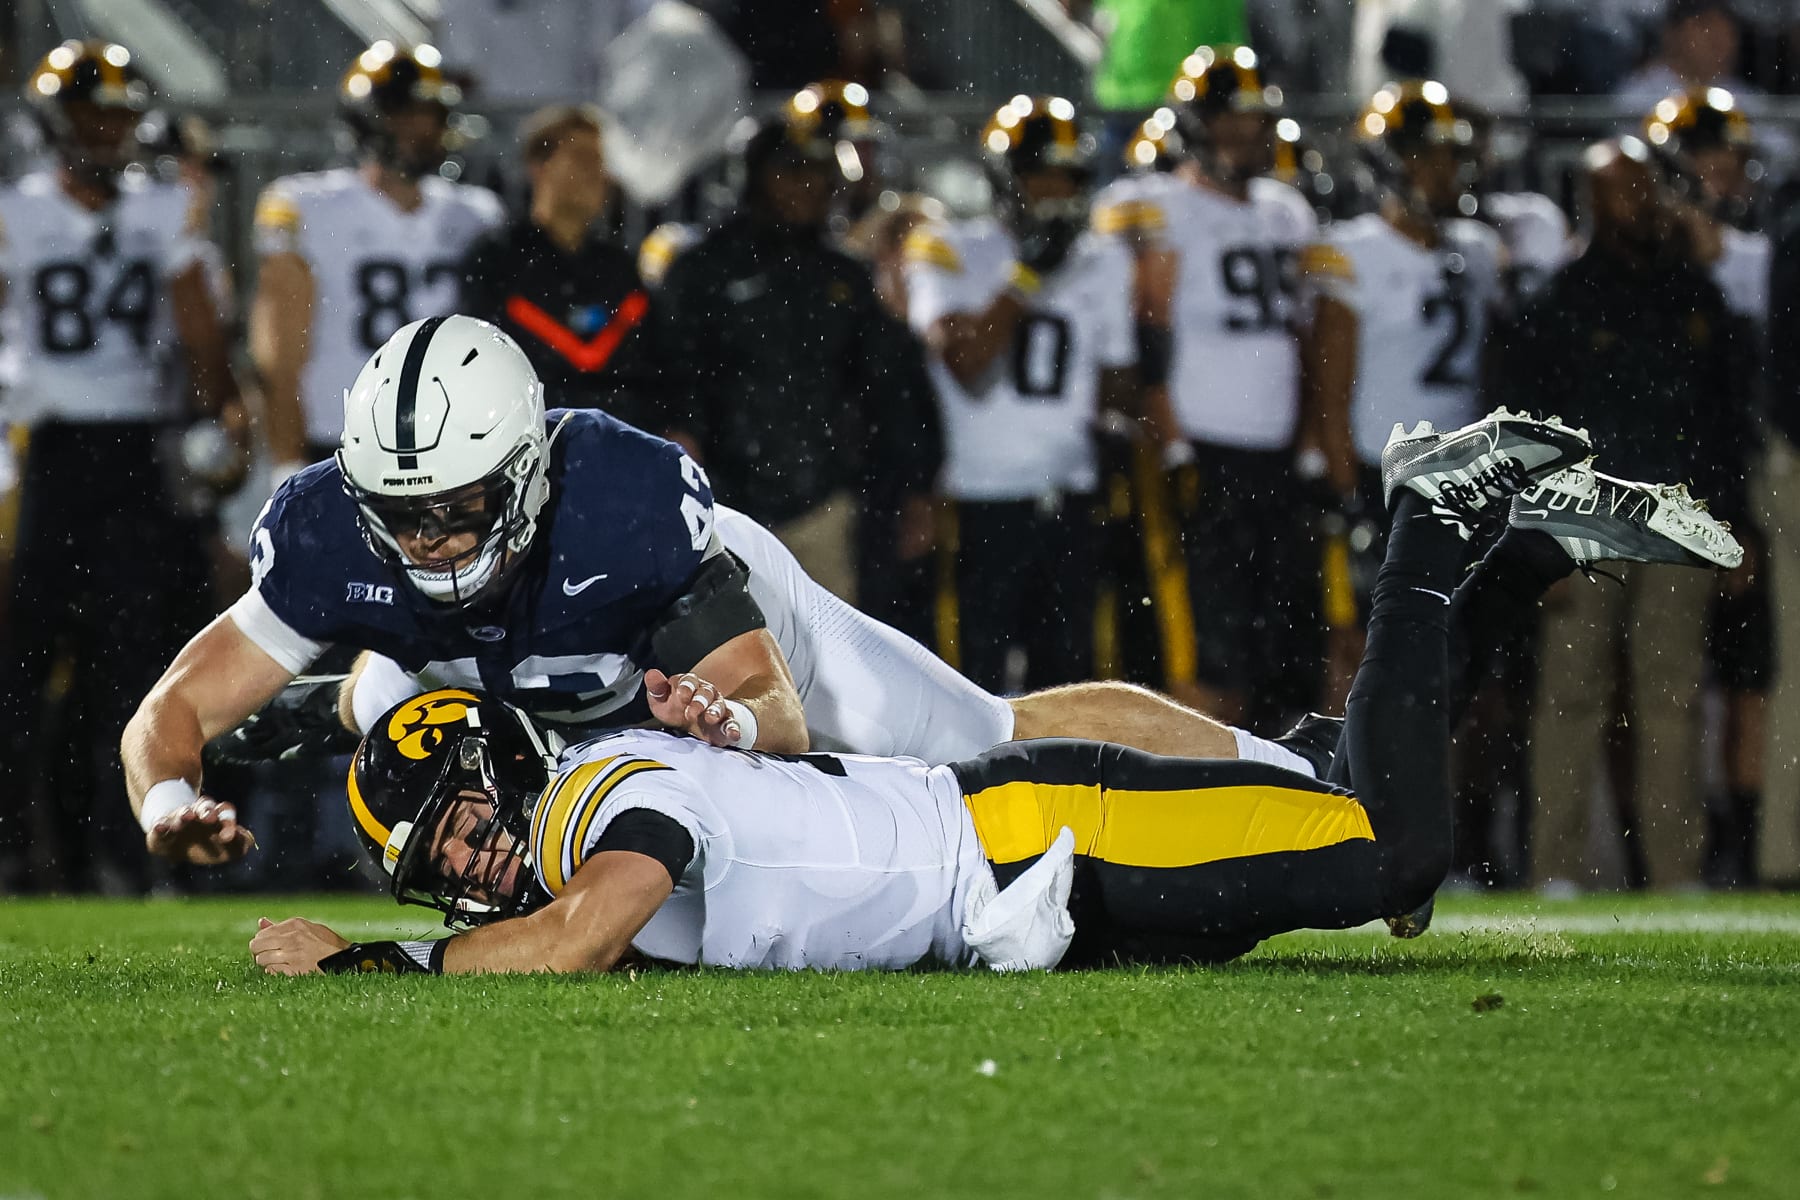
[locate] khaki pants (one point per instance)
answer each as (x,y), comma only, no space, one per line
(1658,618)
(1775,495)
(823,541)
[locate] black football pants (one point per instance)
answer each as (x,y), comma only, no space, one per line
(110,579)
(1201,859)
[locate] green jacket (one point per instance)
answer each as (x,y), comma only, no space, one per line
(1149,40)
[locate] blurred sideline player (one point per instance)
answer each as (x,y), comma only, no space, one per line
(1215,242)
(1403,299)
(1028,322)
(349,255)
(1031,856)
(100,263)
(1709,149)
(577,568)
(1533,228)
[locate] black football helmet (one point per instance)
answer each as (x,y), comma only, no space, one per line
(88,98)
(1028,135)
(1708,151)
(441,792)
(1155,147)
(1401,131)
(825,124)
(385,81)
(1214,82)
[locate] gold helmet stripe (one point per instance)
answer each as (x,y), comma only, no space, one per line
(359,808)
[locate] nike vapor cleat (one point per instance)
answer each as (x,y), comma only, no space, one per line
(1596,518)
(1315,738)
(1471,472)
(1412,924)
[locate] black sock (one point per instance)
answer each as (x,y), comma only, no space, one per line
(1395,744)
(1425,554)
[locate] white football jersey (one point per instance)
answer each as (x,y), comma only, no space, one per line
(86,326)
(1742,273)
(1422,315)
(815,861)
(1027,428)
(1536,236)
(1234,375)
(374,268)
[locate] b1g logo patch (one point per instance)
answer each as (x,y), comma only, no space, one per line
(416,729)
(369,593)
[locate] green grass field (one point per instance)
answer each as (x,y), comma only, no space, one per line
(1618,1045)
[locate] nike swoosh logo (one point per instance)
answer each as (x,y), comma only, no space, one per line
(571,588)
(1534,512)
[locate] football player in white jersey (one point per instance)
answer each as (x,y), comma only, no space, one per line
(102,282)
(350,255)
(1404,294)
(1028,325)
(1403,300)
(1034,855)
(1215,242)
(1708,147)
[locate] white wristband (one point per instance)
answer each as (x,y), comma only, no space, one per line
(164,798)
(746,724)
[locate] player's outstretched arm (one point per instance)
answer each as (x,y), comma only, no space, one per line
(586,929)
(218,679)
(746,675)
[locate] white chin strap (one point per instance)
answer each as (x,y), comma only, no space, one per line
(447,586)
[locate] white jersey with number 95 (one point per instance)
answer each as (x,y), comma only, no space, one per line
(374,268)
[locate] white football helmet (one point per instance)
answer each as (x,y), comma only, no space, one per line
(444,435)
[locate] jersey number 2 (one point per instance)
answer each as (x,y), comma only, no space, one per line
(64,289)
(1447,369)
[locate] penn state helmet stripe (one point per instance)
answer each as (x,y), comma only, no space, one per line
(406,411)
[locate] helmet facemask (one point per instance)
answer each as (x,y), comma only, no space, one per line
(497,510)
(1055,218)
(467,853)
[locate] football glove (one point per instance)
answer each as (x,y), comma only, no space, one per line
(300,722)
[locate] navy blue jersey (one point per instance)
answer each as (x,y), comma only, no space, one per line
(628,525)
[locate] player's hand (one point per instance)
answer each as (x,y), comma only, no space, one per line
(692,705)
(293,946)
(205,833)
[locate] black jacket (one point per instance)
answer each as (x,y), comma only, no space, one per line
(580,317)
(1784,332)
(1651,361)
(789,375)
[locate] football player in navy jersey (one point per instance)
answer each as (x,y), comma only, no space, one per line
(577,568)
(429,541)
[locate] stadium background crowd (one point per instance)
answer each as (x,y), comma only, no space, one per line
(759,312)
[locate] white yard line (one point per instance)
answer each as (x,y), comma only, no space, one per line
(1603,923)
